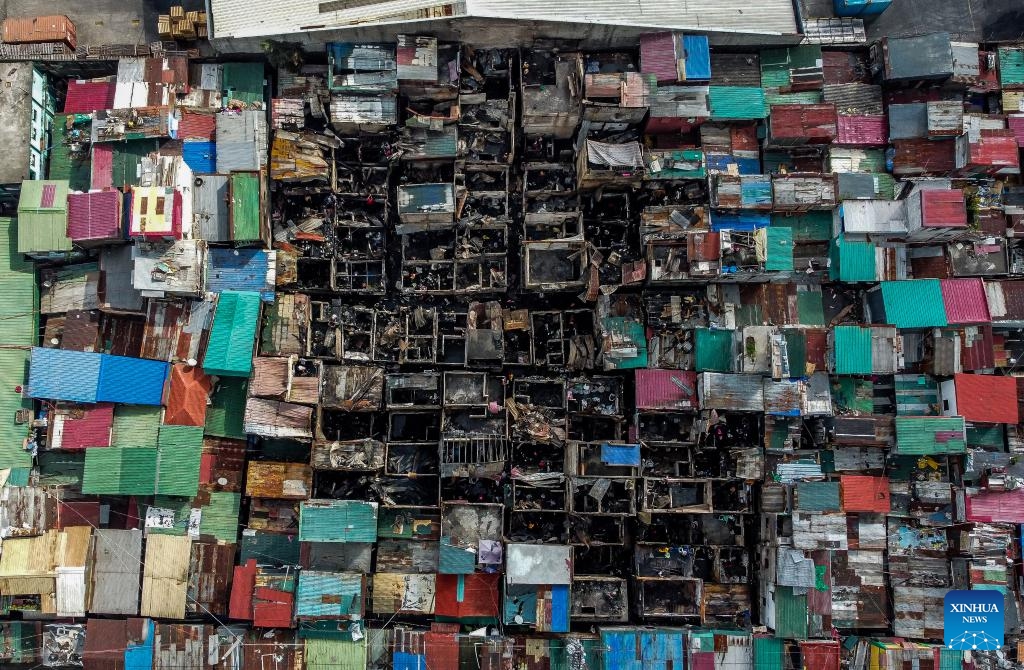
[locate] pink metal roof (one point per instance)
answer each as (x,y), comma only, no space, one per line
(658,56)
(863,130)
(1015,122)
(197,126)
(666,389)
(965,301)
(1005,507)
(102,166)
(94,216)
(89,96)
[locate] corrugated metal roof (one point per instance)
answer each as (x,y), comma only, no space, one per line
(714,349)
(852,261)
(993,507)
(116,565)
(741,393)
(225,414)
(666,389)
(180,449)
(120,471)
(43,213)
(84,96)
(165,579)
(329,595)
(335,653)
(986,398)
(337,521)
(197,125)
(48,376)
(271,479)
(852,349)
(245,207)
(863,131)
(210,207)
(1011,66)
(863,493)
(82,427)
(244,82)
(220,515)
(135,426)
(965,301)
(737,103)
(929,435)
(94,216)
(201,157)
(818,496)
(135,381)
(242,270)
(914,303)
(230,348)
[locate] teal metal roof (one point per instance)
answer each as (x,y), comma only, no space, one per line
(929,435)
(779,252)
(244,82)
(851,261)
(714,349)
(810,308)
(229,352)
(812,226)
(914,303)
(737,103)
(916,395)
(1011,66)
(818,496)
(790,614)
(852,347)
(337,521)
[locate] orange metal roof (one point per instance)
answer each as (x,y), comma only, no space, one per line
(186,401)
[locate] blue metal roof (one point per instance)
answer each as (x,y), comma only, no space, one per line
(201,157)
(241,270)
(135,381)
(743,221)
(64,375)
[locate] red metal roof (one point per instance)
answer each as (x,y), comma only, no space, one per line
(88,427)
(442,650)
(272,607)
(813,124)
(743,137)
(103,166)
(78,513)
(862,493)
(924,157)
(863,130)
(197,126)
(965,301)
(978,353)
(89,96)
(820,655)
(94,216)
(1004,507)
(242,586)
(479,595)
(941,208)
(986,398)
(190,388)
(666,389)
(996,148)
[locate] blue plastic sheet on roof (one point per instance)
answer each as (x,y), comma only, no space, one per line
(621,454)
(201,157)
(742,221)
(719,162)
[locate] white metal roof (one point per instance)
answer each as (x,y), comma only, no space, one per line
(256,18)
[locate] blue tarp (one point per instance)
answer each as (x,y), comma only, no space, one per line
(620,454)
(201,157)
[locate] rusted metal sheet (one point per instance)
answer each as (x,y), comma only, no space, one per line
(209,577)
(269,479)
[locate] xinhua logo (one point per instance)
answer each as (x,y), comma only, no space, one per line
(974,620)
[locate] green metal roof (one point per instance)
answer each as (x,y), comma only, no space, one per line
(914,303)
(852,347)
(225,413)
(244,82)
(181,449)
(810,308)
(245,207)
(126,158)
(774,97)
(77,171)
(779,252)
(714,349)
(337,521)
(768,653)
(916,395)
(811,226)
(851,261)
(928,435)
(19,326)
(335,654)
(182,508)
(120,471)
(737,103)
(818,496)
(1011,66)
(135,426)
(790,614)
(796,351)
(229,352)
(220,516)
(43,219)
(61,468)
(13,373)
